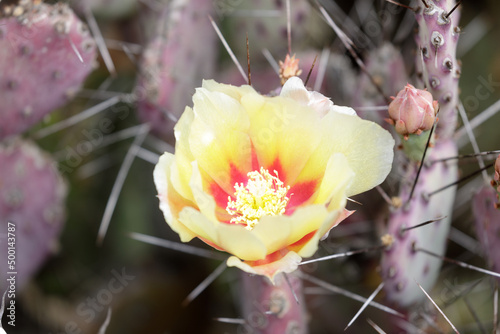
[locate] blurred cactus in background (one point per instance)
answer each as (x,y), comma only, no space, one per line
(91,92)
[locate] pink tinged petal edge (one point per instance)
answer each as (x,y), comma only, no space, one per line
(286,264)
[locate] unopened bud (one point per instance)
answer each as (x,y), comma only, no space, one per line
(289,68)
(412,111)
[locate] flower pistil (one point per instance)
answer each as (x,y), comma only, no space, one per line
(263,195)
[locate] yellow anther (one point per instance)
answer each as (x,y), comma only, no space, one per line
(263,195)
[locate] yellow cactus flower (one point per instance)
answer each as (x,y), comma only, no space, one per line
(265,178)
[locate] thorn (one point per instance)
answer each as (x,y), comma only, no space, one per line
(345,293)
(131,55)
(474,315)
(75,50)
(133,48)
(479,119)
(322,66)
(248,63)
(460,180)
(120,179)
(96,166)
(204,284)
(453,9)
(237,321)
(375,326)
(270,59)
(431,321)
(435,58)
(368,301)
(354,201)
(472,139)
(349,46)
(384,195)
(310,70)
(334,256)
(495,309)
(228,49)
(159,145)
(177,246)
(476,29)
(287,279)
(459,263)
(425,4)
(465,156)
(372,108)
(289,27)
(465,241)
(464,292)
(422,224)
(148,156)
(96,94)
(437,307)
(401,5)
(424,75)
(77,118)
(105,325)
(101,45)
(106,141)
(423,159)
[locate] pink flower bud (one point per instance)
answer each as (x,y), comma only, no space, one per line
(413,111)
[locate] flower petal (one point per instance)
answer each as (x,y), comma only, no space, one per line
(282,131)
(234,239)
(367,147)
(230,90)
(294,89)
(284,264)
(337,179)
(278,232)
(171,203)
(205,202)
(218,138)
(181,169)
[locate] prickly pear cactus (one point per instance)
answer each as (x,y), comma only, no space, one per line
(281,312)
(402,264)
(46,52)
(437,40)
(32,199)
(172,65)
